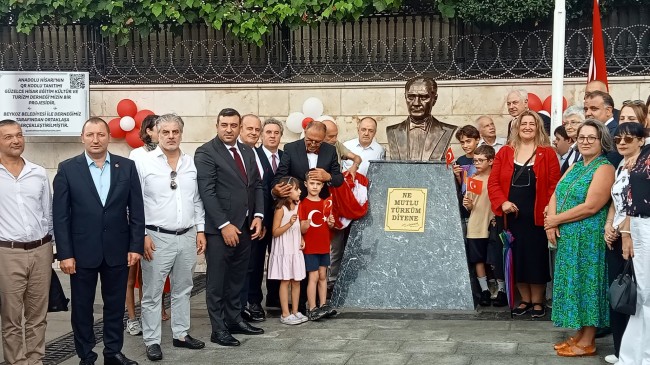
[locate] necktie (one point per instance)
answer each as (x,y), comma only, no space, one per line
(274,163)
(239,163)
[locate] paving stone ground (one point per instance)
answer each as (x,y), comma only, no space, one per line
(370,337)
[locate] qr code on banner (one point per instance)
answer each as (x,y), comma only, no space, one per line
(77,81)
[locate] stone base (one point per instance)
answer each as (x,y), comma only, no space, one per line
(407,270)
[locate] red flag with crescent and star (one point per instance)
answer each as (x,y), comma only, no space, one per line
(449,158)
(475,186)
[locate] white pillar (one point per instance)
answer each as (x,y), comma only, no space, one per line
(557,88)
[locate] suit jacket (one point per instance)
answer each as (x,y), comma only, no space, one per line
(439,136)
(547,172)
(85,229)
(266,183)
(294,163)
(226,196)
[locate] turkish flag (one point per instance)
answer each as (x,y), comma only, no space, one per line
(475,186)
(597,65)
(449,157)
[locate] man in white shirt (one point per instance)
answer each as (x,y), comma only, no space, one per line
(175,221)
(562,144)
(488,132)
(365,146)
(25,249)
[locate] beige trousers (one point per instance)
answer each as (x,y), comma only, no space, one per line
(24,288)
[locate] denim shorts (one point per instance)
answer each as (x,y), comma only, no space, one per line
(315,260)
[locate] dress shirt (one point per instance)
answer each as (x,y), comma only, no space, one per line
(373,152)
(609,121)
(269,157)
(498,143)
(563,157)
(172,209)
(312,158)
(26,208)
(257,159)
(236,146)
(574,154)
(101,177)
(138,153)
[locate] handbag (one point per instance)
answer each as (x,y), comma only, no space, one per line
(622,292)
(57,302)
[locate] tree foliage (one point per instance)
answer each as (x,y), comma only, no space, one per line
(250,20)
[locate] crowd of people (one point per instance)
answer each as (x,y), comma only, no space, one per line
(578,208)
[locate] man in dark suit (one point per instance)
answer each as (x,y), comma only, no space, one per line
(267,157)
(298,158)
(600,106)
(233,197)
(270,156)
(421,137)
(98,218)
(597,85)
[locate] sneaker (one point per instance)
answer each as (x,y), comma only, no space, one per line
(501,300)
(486,298)
(301,317)
(328,310)
(290,320)
(315,314)
(611,359)
(133,327)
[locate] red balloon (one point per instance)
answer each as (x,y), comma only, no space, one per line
(115,129)
(534,102)
(306,121)
(126,107)
(133,138)
(547,104)
(140,115)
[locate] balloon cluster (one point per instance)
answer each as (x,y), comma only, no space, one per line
(312,110)
(535,104)
(128,124)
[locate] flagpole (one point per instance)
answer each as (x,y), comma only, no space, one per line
(557,86)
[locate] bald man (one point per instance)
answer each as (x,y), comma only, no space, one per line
(342,152)
(597,85)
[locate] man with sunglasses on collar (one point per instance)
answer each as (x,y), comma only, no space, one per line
(175,220)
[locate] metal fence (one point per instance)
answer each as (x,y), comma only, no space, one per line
(376,48)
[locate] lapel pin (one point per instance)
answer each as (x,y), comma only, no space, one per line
(117,165)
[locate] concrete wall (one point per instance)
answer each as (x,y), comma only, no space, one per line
(459,102)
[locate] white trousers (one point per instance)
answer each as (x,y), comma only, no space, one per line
(635,346)
(174,256)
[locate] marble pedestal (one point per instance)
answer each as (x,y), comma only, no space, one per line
(407,270)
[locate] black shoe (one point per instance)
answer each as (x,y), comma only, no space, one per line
(486,298)
(189,343)
(86,362)
(224,338)
(154,352)
(538,313)
(257,312)
(246,315)
(315,314)
(602,332)
(244,328)
(119,359)
(519,311)
(501,300)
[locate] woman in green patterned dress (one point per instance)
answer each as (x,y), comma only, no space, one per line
(575,221)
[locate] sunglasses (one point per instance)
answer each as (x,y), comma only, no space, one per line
(173,184)
(634,102)
(626,139)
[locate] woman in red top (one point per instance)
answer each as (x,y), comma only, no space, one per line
(524,175)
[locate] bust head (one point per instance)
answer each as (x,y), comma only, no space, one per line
(421,95)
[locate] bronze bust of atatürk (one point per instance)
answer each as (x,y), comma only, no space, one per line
(421,137)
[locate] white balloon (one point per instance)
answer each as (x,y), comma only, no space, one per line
(323,118)
(294,122)
(312,107)
(127,123)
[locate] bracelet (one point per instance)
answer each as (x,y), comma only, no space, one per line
(609,221)
(628,232)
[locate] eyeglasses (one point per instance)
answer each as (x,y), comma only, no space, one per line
(587,139)
(478,161)
(626,139)
(634,102)
(572,122)
(173,184)
(312,142)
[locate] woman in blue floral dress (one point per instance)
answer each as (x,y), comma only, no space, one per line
(576,217)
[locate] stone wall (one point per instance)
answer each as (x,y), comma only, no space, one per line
(459,102)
